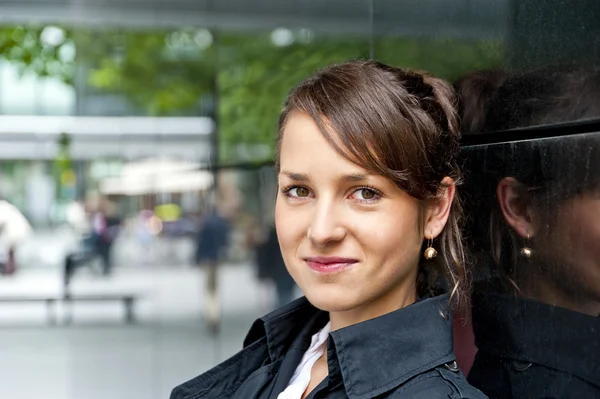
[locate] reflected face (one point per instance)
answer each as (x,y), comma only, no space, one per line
(574,242)
(349,238)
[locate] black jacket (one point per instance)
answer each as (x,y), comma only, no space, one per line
(403,354)
(530,350)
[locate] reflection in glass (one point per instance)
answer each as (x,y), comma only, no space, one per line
(534,233)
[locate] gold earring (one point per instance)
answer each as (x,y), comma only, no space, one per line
(526,252)
(430,252)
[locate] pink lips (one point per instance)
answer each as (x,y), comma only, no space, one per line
(329,264)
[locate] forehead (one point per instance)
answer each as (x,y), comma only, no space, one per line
(304,146)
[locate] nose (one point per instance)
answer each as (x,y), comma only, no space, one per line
(325,227)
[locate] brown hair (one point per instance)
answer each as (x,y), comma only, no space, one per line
(475,91)
(401,124)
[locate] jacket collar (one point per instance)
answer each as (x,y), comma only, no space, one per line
(379,354)
(293,324)
(530,331)
(371,357)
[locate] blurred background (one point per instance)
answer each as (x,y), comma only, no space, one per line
(136,187)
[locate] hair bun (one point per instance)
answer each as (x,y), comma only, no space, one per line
(475,91)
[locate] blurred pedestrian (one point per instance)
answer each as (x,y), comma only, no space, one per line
(212,241)
(284,283)
(14,230)
(169,214)
(106,228)
(271,267)
(147,226)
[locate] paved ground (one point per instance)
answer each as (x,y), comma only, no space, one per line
(99,357)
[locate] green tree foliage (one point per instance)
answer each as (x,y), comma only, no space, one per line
(161,73)
(447,58)
(166,73)
(40,50)
(255,77)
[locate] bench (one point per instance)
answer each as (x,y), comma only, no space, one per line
(50,304)
(72,263)
(51,301)
(128,303)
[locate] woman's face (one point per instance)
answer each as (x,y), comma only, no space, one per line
(573,244)
(351,239)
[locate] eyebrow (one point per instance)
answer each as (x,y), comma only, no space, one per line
(354,177)
(302,177)
(295,176)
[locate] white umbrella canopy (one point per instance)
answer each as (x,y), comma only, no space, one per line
(198,180)
(156,167)
(157,175)
(125,186)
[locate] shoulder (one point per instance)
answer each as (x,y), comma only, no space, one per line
(225,378)
(507,377)
(438,383)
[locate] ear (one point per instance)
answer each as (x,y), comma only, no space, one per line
(437,214)
(515,207)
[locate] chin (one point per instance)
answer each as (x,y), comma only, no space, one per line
(332,299)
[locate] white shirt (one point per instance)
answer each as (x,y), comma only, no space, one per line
(301,377)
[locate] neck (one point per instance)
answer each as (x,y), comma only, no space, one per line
(542,289)
(397,298)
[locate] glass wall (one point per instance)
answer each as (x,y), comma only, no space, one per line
(139,124)
(530,101)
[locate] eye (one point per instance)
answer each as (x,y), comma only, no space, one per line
(297,192)
(366,195)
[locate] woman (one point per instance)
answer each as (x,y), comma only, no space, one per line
(536,229)
(366,159)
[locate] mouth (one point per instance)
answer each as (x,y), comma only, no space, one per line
(329,264)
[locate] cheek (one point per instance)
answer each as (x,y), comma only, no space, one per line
(279,223)
(393,235)
(584,232)
(573,248)
(290,227)
(577,231)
